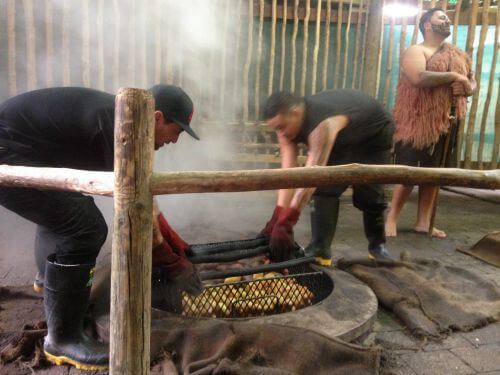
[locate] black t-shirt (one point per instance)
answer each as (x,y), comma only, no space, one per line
(68,127)
(370,126)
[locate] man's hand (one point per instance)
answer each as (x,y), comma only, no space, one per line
(179,246)
(282,244)
(268,229)
(177,268)
(462,86)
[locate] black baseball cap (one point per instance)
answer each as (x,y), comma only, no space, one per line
(175,105)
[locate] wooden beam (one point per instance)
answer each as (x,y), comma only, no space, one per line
(351,174)
(130,316)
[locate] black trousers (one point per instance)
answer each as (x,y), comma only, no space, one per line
(367,198)
(69,224)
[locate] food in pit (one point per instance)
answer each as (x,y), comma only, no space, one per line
(266,294)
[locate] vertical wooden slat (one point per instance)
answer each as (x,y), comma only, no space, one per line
(294,44)
(30,45)
(223,72)
(246,68)
(100,45)
(371,71)
(489,94)
(363,49)
(346,50)
(417,20)
(456,18)
(130,315)
(49,43)
(236,67)
(388,71)
(304,48)
(326,46)
(142,28)
(283,45)
(259,59)
(444,5)
(433,3)
(131,44)
(336,72)
(11,46)
(316,47)
(402,39)
(357,45)
(469,47)
(65,43)
(273,47)
(116,45)
(85,44)
(475,98)
(157,35)
(496,140)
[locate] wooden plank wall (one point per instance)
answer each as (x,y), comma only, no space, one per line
(260,46)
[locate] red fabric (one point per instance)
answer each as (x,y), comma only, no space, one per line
(179,267)
(270,224)
(282,243)
(174,240)
(422,114)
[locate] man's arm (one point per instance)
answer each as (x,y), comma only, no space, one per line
(288,151)
(320,143)
(414,66)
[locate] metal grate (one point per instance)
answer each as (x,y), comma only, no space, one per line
(263,296)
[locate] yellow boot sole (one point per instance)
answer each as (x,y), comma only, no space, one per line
(323,261)
(37,288)
(62,360)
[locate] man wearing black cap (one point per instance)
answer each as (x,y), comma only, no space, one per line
(71,127)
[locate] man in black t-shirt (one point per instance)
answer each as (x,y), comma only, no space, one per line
(73,127)
(338,127)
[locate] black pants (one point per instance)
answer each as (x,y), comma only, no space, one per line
(69,224)
(367,198)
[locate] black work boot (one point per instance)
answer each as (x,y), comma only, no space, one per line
(324,214)
(66,294)
(375,233)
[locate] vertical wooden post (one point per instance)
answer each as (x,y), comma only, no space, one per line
(402,38)
(336,72)
(222,108)
(65,43)
(456,17)
(326,47)
(304,48)
(11,35)
(294,44)
(475,99)
(100,44)
(283,45)
(346,48)
(417,20)
(258,60)
(49,43)
(116,45)
(131,252)
(371,75)
(30,45)
(388,71)
(85,44)
(274,10)
(496,140)
(236,67)
(316,48)
(363,50)
(248,60)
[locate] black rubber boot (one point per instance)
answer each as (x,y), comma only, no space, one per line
(66,294)
(324,215)
(375,233)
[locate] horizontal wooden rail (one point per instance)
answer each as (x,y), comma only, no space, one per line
(101,183)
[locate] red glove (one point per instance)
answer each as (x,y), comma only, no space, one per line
(282,244)
(174,240)
(266,232)
(177,268)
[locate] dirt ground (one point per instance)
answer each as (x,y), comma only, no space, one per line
(217,217)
